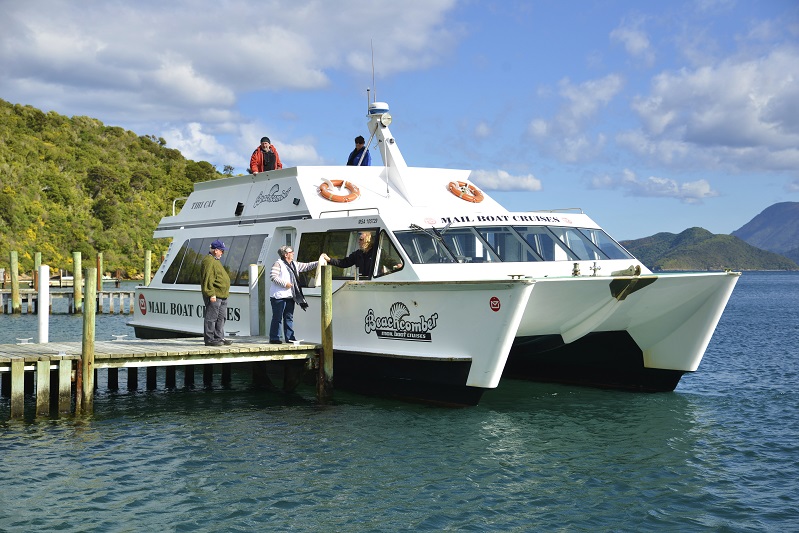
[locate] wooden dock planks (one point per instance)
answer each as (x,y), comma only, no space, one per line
(44,358)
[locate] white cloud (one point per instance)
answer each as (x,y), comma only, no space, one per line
(500,180)
(482,130)
(689,192)
(150,63)
(739,114)
(635,41)
(565,136)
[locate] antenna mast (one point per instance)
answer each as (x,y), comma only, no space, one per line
(372,45)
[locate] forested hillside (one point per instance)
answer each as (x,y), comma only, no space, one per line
(74,184)
(698,249)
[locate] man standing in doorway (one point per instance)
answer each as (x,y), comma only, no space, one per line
(215,286)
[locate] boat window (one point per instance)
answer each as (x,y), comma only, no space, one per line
(242,251)
(467,246)
(544,243)
(423,247)
(608,246)
(579,244)
(190,269)
(336,243)
(388,258)
(508,245)
(172,272)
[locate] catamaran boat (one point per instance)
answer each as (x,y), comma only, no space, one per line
(462,294)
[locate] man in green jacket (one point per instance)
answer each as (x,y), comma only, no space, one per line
(215,288)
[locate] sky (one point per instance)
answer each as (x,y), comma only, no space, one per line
(649,116)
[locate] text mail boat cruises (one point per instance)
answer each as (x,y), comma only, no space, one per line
(462,293)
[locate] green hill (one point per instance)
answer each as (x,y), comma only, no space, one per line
(74,184)
(698,249)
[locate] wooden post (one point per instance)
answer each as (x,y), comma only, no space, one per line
(42,388)
(64,385)
(77,282)
(99,271)
(37,262)
(152,377)
(148,266)
(324,382)
(170,380)
(133,378)
(113,379)
(87,351)
(188,376)
(16,301)
(17,388)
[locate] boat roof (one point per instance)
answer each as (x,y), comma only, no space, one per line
(396,193)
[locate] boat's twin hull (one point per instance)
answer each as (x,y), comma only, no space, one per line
(446,342)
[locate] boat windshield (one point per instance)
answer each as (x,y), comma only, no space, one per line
(508,244)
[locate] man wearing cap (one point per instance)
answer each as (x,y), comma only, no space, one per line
(265,157)
(215,284)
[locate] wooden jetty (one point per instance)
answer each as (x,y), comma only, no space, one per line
(42,368)
(12,294)
(107,301)
(70,367)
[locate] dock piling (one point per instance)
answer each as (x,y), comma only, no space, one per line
(77,282)
(87,349)
(16,301)
(324,382)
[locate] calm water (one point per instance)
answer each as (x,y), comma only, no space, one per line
(720,453)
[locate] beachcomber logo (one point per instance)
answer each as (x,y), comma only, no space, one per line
(396,327)
(273,195)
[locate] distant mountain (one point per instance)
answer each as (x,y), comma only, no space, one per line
(776,229)
(698,249)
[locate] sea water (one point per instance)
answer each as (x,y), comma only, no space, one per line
(720,453)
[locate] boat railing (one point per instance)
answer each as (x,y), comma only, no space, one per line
(349,212)
(560,210)
(175,201)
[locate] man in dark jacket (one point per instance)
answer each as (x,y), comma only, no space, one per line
(360,150)
(363,258)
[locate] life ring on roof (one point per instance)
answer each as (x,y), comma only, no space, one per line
(327,193)
(466,191)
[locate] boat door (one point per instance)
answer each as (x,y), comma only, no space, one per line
(284,236)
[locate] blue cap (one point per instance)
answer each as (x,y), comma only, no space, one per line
(219,245)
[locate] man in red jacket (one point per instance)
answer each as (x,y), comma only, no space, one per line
(265,157)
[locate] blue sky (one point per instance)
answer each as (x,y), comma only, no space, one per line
(651,116)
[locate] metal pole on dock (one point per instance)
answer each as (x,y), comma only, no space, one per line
(16,300)
(87,350)
(44,305)
(148,266)
(77,282)
(324,383)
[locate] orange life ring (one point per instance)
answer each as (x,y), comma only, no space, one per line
(466,191)
(324,190)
